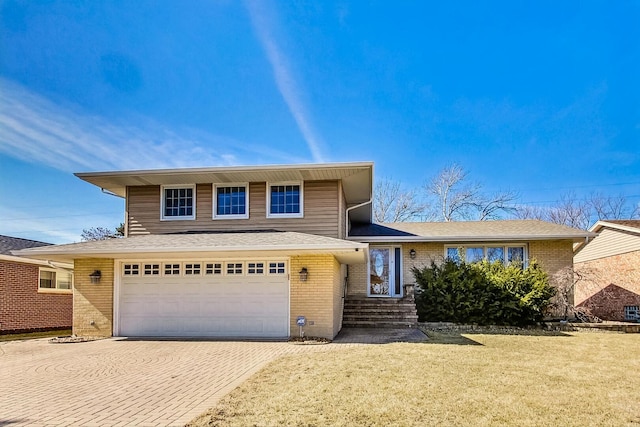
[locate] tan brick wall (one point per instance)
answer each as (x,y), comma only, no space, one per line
(93,303)
(23,308)
(316,299)
(611,283)
(552,255)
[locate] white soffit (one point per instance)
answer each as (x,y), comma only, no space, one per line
(357,178)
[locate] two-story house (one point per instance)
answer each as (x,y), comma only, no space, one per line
(247,251)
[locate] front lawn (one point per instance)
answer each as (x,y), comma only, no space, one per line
(573,379)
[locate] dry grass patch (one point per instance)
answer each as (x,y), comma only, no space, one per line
(573,380)
(35,335)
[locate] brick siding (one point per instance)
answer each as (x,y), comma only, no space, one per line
(611,284)
(93,302)
(319,299)
(23,308)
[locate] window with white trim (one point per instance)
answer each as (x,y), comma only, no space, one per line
(277,267)
(255,268)
(151,269)
(131,270)
(231,201)
(631,312)
(285,200)
(213,268)
(506,254)
(51,279)
(192,269)
(171,269)
(234,267)
(178,202)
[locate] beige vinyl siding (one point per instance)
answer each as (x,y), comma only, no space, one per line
(609,242)
(321,211)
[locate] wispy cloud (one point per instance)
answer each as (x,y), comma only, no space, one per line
(285,80)
(59,228)
(38,130)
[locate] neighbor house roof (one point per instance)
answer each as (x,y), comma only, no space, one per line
(631,225)
(224,244)
(8,244)
(466,231)
(357,177)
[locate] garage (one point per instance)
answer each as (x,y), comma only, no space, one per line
(232,298)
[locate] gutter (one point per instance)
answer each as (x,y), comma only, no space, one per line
(437,239)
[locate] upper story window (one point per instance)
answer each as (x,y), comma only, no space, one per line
(55,280)
(505,254)
(230,201)
(285,200)
(178,202)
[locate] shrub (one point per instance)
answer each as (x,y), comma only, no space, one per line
(482,293)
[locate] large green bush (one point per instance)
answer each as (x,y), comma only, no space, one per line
(482,293)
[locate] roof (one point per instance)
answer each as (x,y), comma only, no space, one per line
(631,225)
(357,177)
(466,231)
(223,244)
(8,244)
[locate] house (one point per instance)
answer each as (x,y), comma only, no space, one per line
(609,267)
(34,295)
(263,251)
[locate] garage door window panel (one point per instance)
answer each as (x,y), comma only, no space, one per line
(234,268)
(192,269)
(171,269)
(151,269)
(213,268)
(277,268)
(132,269)
(255,268)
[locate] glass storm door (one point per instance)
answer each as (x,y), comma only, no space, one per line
(384,272)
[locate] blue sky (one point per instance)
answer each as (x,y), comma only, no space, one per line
(541,97)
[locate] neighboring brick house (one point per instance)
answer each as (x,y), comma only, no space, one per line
(610,266)
(247,251)
(34,295)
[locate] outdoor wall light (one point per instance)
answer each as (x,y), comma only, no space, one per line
(412,253)
(95,276)
(304,273)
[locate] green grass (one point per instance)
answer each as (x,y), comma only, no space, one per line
(576,379)
(35,335)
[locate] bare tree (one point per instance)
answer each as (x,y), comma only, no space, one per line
(609,207)
(491,207)
(530,212)
(457,199)
(570,211)
(566,281)
(393,204)
(101,233)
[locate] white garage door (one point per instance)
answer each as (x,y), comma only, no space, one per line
(204,299)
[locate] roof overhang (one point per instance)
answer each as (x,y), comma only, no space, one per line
(463,238)
(356,177)
(602,224)
(38,262)
(220,246)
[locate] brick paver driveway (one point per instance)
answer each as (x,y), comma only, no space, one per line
(124,382)
(116,382)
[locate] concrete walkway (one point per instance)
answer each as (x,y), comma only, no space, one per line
(118,382)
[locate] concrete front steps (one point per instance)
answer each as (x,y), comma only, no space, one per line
(379,313)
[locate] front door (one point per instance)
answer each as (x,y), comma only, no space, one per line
(385,272)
